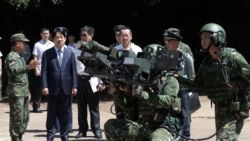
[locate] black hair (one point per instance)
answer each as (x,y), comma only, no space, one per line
(44,29)
(118,28)
(60,29)
(89,29)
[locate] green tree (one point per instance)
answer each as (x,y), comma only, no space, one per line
(24,4)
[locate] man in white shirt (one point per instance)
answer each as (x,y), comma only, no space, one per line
(39,47)
(125,35)
(71,41)
(126,42)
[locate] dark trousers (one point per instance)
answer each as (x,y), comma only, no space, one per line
(119,112)
(58,107)
(185,117)
(87,99)
(37,94)
(70,119)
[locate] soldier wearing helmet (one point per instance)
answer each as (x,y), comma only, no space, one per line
(155,105)
(157,110)
(215,33)
(223,76)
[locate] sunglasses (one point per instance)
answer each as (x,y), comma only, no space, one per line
(83,35)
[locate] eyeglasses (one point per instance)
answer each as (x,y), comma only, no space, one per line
(83,35)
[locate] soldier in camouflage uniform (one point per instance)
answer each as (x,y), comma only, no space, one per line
(224,76)
(182,46)
(18,86)
(186,69)
(157,111)
(1,73)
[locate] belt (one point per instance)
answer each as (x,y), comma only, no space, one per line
(223,103)
(85,76)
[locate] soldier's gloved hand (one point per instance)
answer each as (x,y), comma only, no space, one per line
(144,95)
(138,92)
(136,89)
(244,114)
(81,45)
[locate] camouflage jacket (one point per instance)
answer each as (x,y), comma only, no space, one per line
(225,80)
(17,75)
(158,106)
(185,48)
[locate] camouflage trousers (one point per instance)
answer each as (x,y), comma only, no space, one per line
(227,123)
(1,86)
(127,130)
(19,117)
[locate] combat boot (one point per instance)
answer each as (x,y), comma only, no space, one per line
(1,99)
(20,137)
(244,114)
(14,138)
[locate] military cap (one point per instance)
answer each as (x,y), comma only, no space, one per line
(18,37)
(172,33)
(118,28)
(174,30)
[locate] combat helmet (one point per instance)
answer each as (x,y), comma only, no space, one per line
(218,34)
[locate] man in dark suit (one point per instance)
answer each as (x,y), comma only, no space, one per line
(59,83)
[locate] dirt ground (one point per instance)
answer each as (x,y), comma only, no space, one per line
(202,125)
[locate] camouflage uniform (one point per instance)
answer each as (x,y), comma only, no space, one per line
(185,69)
(185,48)
(156,111)
(1,86)
(18,93)
(227,85)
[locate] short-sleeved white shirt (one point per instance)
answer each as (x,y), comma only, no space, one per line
(39,48)
(133,47)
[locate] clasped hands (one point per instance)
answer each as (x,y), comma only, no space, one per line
(33,64)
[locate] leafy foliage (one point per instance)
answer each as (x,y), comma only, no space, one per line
(57,1)
(24,4)
(19,4)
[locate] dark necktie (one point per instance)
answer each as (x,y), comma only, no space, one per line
(59,56)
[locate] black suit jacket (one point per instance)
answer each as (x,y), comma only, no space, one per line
(55,77)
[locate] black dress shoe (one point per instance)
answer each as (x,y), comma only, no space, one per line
(98,135)
(80,134)
(64,139)
(71,131)
(244,114)
(20,137)
(37,110)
